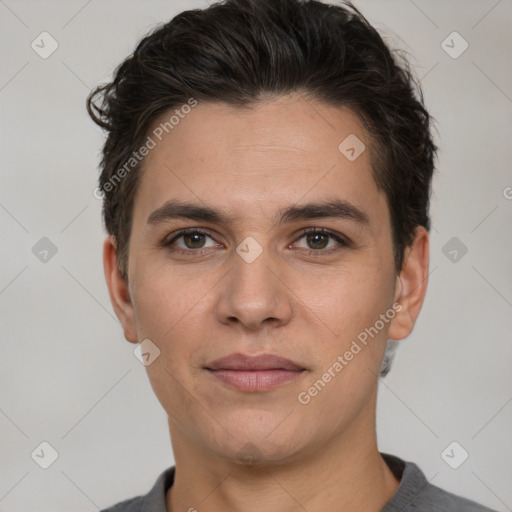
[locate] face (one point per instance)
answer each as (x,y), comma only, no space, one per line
(287,254)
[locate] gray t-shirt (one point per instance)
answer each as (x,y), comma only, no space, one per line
(414,494)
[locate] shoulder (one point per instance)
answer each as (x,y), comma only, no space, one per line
(415,493)
(130,505)
(153,501)
(435,499)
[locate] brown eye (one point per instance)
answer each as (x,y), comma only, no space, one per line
(193,240)
(190,240)
(321,239)
(317,240)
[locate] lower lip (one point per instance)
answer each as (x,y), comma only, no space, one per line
(257,380)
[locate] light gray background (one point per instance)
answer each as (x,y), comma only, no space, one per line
(68,377)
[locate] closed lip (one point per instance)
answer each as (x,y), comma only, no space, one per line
(244,362)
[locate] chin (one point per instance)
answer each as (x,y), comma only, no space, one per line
(259,443)
(258,453)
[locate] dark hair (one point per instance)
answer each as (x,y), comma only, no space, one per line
(243,51)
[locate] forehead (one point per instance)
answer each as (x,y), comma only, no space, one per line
(253,161)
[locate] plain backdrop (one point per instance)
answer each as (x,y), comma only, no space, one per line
(68,377)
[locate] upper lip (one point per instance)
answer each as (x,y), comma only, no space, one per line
(245,362)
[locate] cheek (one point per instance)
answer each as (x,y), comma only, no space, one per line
(170,311)
(164,300)
(357,334)
(355,299)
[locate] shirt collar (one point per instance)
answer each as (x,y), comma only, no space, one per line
(412,482)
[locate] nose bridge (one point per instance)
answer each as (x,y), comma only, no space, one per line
(253,293)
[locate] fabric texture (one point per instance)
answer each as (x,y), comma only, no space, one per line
(414,494)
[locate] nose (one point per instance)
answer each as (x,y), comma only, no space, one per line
(254,294)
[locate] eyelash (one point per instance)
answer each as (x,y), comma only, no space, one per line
(343,241)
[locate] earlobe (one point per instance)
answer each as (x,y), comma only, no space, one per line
(411,286)
(118,290)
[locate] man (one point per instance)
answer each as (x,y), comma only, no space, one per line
(266,183)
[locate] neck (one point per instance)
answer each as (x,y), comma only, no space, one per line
(344,474)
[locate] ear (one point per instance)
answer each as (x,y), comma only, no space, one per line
(411,286)
(118,290)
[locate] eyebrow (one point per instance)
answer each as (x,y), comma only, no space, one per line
(174,209)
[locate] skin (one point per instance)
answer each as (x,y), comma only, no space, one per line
(306,307)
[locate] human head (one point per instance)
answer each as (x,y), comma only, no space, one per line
(258,119)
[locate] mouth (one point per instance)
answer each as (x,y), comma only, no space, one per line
(254,373)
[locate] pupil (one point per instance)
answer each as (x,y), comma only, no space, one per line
(196,244)
(314,237)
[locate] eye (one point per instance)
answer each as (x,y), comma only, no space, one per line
(195,241)
(189,240)
(318,239)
